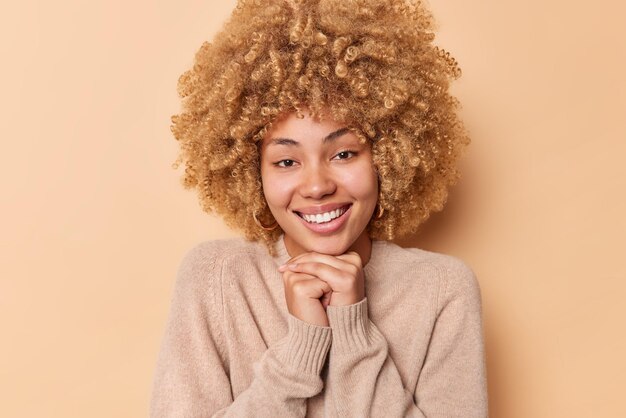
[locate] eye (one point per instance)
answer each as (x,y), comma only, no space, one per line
(284,163)
(344,155)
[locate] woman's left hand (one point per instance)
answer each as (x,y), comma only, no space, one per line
(344,274)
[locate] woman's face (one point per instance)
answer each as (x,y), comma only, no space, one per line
(320,184)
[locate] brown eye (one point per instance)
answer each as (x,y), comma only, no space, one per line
(343,155)
(285,163)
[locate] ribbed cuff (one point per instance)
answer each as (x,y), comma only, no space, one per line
(307,346)
(352,329)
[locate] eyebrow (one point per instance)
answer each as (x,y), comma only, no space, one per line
(329,138)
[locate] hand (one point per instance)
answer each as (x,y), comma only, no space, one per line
(343,273)
(303,293)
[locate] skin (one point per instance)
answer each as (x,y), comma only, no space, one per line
(300,169)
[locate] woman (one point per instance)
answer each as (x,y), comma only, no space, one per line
(322,129)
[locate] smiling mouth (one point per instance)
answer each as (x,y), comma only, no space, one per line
(322,218)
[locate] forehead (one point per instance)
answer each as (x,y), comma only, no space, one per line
(289,126)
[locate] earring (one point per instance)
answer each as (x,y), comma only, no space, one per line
(267,228)
(381,210)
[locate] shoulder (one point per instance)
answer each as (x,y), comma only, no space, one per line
(456,278)
(212,251)
(201,265)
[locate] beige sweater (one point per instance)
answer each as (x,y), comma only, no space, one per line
(413,347)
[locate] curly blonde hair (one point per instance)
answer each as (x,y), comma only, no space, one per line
(368,63)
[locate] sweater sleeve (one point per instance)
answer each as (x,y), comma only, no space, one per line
(192,377)
(363,379)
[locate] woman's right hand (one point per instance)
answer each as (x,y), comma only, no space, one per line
(307,297)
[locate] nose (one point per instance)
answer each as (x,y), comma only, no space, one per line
(317,182)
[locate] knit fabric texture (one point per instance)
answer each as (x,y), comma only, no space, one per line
(413,347)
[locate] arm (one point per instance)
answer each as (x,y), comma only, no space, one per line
(191,378)
(364,381)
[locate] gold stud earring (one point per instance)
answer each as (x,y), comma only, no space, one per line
(267,228)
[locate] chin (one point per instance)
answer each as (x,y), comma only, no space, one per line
(330,246)
(330,249)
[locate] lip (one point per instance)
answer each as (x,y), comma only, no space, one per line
(327,227)
(314,210)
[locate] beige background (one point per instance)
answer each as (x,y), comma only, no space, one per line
(94,221)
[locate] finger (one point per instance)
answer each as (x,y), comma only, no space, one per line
(312,288)
(290,277)
(331,260)
(352,257)
(307,254)
(333,276)
(326,300)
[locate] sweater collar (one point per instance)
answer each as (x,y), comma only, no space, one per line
(281,251)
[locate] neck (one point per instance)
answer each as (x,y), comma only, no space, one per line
(363,247)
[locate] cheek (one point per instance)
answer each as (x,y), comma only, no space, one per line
(277,189)
(362,183)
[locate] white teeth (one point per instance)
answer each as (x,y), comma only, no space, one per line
(323,217)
